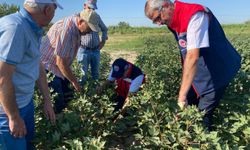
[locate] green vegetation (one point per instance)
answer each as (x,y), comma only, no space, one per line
(150,118)
(126,38)
(240,29)
(6,9)
(150,121)
(124,43)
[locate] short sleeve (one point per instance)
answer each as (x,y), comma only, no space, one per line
(197,31)
(110,78)
(64,41)
(136,83)
(12,47)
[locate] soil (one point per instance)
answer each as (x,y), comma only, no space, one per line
(127,55)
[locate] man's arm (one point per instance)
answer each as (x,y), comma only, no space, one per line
(189,71)
(197,37)
(101,45)
(104,86)
(104,30)
(64,67)
(43,87)
(8,100)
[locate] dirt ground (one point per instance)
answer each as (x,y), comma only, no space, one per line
(128,55)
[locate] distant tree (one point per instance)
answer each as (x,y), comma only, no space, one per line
(6,9)
(123,25)
(247,22)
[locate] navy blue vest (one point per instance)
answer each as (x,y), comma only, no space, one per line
(217,64)
(135,72)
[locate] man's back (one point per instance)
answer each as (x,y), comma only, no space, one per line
(63,39)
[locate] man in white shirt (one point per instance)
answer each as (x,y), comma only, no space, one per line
(209,61)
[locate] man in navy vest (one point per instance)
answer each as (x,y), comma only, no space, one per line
(209,61)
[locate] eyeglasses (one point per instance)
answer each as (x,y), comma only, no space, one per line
(55,6)
(158,18)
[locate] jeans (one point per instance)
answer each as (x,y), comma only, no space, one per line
(89,58)
(9,142)
(64,93)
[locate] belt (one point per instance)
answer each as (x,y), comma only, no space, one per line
(90,48)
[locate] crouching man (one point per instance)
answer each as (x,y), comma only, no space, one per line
(128,78)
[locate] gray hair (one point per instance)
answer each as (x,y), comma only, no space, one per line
(35,7)
(152,5)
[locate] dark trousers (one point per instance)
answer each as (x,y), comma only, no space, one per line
(207,102)
(64,93)
(119,102)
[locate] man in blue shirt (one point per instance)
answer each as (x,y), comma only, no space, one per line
(20,68)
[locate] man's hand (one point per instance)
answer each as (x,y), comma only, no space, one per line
(104,86)
(43,87)
(8,100)
(17,127)
(102,43)
(49,112)
(76,86)
(182,102)
(63,64)
(130,94)
(99,90)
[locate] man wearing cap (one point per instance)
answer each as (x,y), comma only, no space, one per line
(89,52)
(20,68)
(59,48)
(90,4)
(209,60)
(128,77)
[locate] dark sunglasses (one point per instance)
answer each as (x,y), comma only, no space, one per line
(158,18)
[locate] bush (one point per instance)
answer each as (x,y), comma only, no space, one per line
(6,9)
(150,121)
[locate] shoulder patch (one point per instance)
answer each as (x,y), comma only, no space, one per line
(182,43)
(116,68)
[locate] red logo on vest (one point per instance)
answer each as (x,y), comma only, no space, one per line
(182,43)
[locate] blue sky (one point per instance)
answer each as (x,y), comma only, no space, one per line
(132,11)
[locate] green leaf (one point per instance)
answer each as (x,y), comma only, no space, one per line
(56,137)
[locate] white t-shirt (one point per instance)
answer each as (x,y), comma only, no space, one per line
(197,31)
(135,84)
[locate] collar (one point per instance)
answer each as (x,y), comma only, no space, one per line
(176,12)
(34,26)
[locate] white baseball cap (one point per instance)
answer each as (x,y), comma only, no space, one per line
(92,19)
(45,2)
